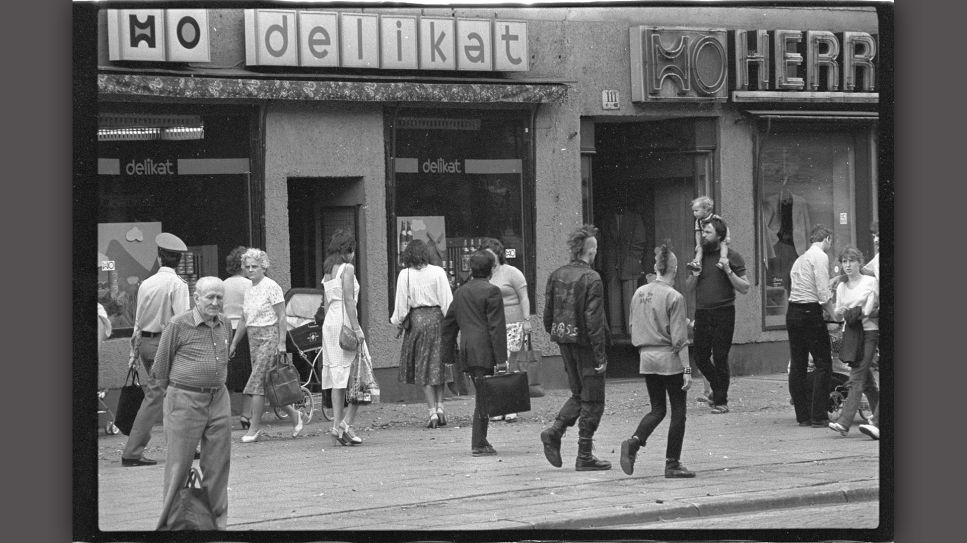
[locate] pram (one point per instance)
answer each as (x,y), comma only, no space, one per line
(304,341)
(839,379)
(102,409)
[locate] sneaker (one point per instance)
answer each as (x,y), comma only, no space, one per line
(512,417)
(870,430)
(837,427)
(677,470)
(720,409)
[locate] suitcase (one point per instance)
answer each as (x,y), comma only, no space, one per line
(503,393)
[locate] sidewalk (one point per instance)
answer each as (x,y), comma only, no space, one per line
(406,477)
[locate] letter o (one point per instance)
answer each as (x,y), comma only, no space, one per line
(700,84)
(194,32)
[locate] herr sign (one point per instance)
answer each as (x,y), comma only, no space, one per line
(158,35)
(278,37)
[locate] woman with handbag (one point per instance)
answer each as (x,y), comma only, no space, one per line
(422,297)
(342,336)
(513,288)
(263,320)
(857,294)
(660,332)
(240,366)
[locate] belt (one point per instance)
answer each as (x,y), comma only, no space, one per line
(150,334)
(206,390)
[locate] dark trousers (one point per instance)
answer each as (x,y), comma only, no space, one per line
(587,390)
(713,341)
(808,336)
(478,435)
(658,387)
(861,380)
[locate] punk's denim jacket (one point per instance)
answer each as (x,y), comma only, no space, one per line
(574,308)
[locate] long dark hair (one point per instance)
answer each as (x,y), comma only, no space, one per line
(341,244)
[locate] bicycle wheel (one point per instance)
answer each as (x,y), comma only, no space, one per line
(306,405)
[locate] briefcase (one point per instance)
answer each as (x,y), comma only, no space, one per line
(129,402)
(503,393)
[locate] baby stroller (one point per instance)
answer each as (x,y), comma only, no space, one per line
(304,341)
(839,379)
(102,409)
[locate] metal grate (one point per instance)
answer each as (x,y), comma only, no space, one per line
(430,123)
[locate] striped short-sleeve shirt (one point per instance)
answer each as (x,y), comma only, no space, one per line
(193,351)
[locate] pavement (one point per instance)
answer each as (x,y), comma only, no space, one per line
(407,477)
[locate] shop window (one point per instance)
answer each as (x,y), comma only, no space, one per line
(461,176)
(808,176)
(196,188)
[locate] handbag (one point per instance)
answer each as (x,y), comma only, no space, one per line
(129,402)
(515,337)
(282,384)
(529,361)
(347,338)
(191,508)
(406,320)
(503,393)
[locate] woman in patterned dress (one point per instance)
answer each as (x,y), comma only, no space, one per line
(263,320)
(342,293)
(422,294)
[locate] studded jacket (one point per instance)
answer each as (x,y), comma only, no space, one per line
(574,308)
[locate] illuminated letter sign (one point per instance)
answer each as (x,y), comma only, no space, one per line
(158,35)
(437,44)
(474,45)
(318,43)
(787,57)
(817,60)
(510,49)
(746,58)
(270,38)
(678,63)
(859,49)
(398,46)
(359,40)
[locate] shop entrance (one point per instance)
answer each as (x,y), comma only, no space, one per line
(645,175)
(317,208)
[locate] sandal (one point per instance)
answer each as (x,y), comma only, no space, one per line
(720,409)
(245,422)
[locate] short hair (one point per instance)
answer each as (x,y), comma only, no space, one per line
(233,262)
(851,253)
(721,229)
(415,254)
(341,243)
(169,259)
(496,246)
(575,241)
(819,233)
(258,256)
(207,282)
(703,201)
(481,263)
(664,257)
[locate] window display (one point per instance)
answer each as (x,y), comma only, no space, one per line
(807,177)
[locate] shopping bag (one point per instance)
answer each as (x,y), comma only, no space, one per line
(503,393)
(362,388)
(282,385)
(191,508)
(529,360)
(129,402)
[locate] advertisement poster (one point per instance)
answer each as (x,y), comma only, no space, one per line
(428,229)
(126,256)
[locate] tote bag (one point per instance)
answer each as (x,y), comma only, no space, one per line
(129,402)
(191,509)
(282,384)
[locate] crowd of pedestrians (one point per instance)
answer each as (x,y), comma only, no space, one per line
(194,357)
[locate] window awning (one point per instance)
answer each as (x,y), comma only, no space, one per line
(208,88)
(814,115)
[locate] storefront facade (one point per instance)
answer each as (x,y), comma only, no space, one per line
(453,125)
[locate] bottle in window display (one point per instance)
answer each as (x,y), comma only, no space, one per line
(465,257)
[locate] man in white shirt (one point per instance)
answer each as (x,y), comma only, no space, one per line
(809,300)
(160,297)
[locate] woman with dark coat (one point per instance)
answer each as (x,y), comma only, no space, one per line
(477,312)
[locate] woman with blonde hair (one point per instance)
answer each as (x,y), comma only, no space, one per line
(342,295)
(263,320)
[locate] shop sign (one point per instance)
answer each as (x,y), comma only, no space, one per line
(277,37)
(693,64)
(158,35)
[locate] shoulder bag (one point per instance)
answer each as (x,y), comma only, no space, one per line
(409,310)
(191,508)
(282,383)
(129,401)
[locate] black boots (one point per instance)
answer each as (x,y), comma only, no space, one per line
(551,437)
(629,450)
(585,460)
(676,470)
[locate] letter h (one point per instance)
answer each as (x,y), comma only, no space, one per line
(744,58)
(142,32)
(673,64)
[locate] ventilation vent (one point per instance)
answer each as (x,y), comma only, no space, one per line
(424,123)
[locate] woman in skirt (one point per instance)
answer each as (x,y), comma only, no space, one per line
(422,298)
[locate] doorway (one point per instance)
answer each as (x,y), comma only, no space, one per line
(645,175)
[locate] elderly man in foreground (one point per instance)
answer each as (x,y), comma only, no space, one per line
(192,364)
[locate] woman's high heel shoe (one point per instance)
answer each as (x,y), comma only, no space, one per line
(434,421)
(339,436)
(253,438)
(441,416)
(347,431)
(245,422)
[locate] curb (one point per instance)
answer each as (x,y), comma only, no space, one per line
(785,499)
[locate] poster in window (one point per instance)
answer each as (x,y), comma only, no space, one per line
(428,229)
(131,248)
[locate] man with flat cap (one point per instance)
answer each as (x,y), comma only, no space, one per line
(160,297)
